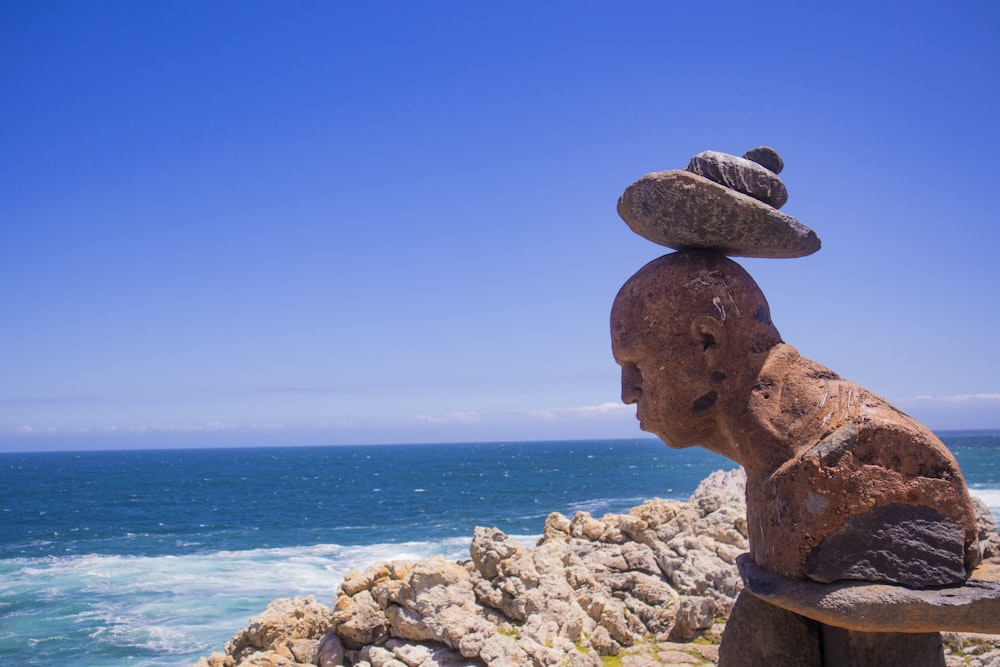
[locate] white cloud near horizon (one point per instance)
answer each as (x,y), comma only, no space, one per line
(450,418)
(610,408)
(953,399)
(208,427)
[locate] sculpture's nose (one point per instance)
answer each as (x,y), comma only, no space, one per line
(631,384)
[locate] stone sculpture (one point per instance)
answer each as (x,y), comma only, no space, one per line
(841,485)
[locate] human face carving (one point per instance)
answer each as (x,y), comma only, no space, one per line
(662,375)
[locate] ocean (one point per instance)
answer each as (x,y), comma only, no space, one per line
(154,558)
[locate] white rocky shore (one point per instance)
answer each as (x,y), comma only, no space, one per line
(651,587)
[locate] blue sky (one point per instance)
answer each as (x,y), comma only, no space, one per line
(257,223)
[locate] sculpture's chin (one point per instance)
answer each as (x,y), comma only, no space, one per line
(672,445)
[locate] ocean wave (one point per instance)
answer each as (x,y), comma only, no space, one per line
(168,610)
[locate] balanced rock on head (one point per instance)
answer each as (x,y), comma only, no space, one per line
(740,174)
(719,202)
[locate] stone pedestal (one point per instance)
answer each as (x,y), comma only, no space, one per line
(849,648)
(759,634)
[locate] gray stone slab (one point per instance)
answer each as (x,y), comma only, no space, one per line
(681,210)
(910,545)
(971,607)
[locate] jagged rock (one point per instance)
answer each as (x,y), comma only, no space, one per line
(663,571)
(766,157)
(740,174)
(694,614)
(279,627)
(215,660)
(590,587)
(986,525)
(490,547)
(436,602)
(330,652)
(360,620)
(681,210)
(720,488)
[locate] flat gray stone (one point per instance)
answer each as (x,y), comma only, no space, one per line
(971,607)
(909,545)
(741,175)
(681,210)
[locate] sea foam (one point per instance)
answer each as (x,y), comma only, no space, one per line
(168,610)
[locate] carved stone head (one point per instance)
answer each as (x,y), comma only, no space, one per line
(690,331)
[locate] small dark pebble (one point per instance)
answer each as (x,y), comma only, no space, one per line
(766,157)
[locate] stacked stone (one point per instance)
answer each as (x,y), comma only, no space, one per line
(719,202)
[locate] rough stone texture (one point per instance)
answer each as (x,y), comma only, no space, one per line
(758,633)
(971,607)
(678,209)
(901,544)
(664,571)
(740,174)
(330,652)
(766,157)
(662,560)
(280,629)
(705,366)
(850,452)
(989,539)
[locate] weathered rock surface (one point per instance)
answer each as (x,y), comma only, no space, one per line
(682,210)
(740,174)
(287,633)
(903,544)
(639,586)
(591,587)
(989,539)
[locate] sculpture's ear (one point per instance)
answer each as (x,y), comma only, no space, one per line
(710,333)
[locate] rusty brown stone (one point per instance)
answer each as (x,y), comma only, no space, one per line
(705,366)
(682,210)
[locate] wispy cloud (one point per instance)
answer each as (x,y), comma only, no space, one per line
(207,427)
(954,399)
(608,409)
(450,418)
(289,389)
(601,410)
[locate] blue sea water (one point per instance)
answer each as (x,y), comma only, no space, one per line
(157,557)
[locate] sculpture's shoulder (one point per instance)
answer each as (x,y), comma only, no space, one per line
(874,433)
(858,464)
(823,416)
